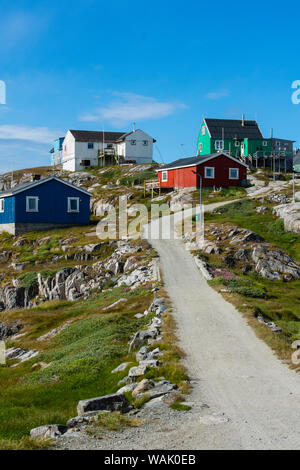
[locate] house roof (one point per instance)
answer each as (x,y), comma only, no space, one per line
(192,161)
(19,188)
(123,137)
(96,136)
(233,128)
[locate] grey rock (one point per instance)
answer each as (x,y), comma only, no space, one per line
(143,386)
(48,431)
(121,367)
(116,402)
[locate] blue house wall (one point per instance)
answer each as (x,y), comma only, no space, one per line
(8,216)
(53,205)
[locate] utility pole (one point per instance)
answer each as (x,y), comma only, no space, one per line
(201,206)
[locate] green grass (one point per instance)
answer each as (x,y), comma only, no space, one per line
(138,178)
(226,194)
(81,359)
(180,407)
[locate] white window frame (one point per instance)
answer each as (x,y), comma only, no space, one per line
(237,143)
(69,204)
(145,143)
(90,145)
(164,176)
(205,172)
(133,142)
(200,147)
(36,199)
(234,177)
(203,130)
(265,143)
(219,144)
(2,204)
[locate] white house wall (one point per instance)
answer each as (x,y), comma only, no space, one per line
(140,153)
(74,152)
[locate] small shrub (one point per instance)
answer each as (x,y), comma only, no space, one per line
(115,421)
(179,406)
(28,279)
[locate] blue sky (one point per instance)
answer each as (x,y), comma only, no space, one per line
(88,64)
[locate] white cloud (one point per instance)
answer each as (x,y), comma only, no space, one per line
(218,94)
(33,134)
(128,107)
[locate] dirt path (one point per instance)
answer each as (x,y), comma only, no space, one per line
(253,399)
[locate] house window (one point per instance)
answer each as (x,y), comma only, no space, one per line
(145,143)
(265,143)
(237,143)
(65,148)
(85,163)
(164,176)
(2,205)
(209,172)
(133,142)
(233,173)
(203,130)
(200,147)
(90,145)
(32,204)
(219,144)
(73,204)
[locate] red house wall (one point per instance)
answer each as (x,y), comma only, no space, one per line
(221,165)
(185,178)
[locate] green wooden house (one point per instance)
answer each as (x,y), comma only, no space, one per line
(243,139)
(240,138)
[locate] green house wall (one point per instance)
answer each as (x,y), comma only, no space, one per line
(250,145)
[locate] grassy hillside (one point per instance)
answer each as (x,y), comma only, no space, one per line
(253,295)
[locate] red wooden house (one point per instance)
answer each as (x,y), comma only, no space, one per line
(218,169)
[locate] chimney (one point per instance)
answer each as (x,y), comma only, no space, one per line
(133,127)
(271,134)
(243,120)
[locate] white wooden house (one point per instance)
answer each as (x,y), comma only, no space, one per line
(82,149)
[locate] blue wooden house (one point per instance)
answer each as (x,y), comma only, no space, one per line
(42,205)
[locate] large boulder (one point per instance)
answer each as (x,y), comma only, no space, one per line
(290,213)
(116,402)
(274,264)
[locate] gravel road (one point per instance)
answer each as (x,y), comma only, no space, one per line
(234,373)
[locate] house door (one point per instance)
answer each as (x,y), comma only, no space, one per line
(242,149)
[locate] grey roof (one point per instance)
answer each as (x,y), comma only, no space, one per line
(183,162)
(191,161)
(96,136)
(233,128)
(24,186)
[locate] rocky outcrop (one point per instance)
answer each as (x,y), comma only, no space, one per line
(78,282)
(9,329)
(290,213)
(101,206)
(180,200)
(244,246)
